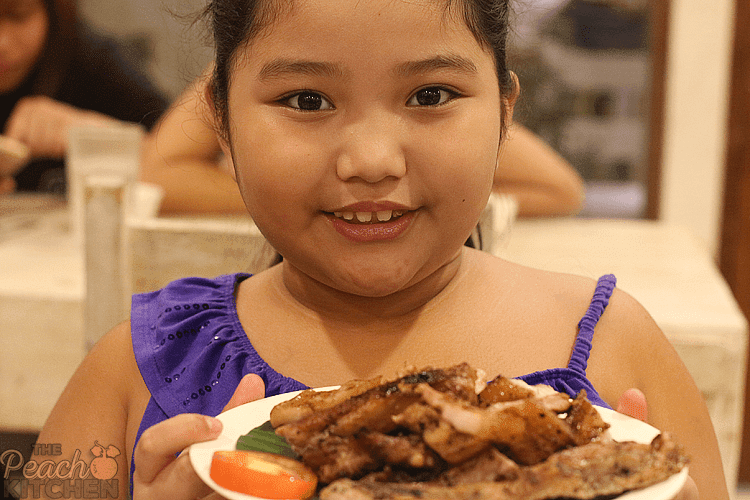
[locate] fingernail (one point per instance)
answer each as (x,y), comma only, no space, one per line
(214,425)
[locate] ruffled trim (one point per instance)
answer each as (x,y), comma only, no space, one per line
(605,286)
(565,380)
(191,349)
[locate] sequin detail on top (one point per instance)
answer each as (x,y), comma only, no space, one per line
(191,348)
(192,351)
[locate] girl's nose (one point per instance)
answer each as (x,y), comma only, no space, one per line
(371,152)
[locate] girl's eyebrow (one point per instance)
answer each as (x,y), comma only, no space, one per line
(279,68)
(450,61)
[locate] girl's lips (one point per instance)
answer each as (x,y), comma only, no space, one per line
(377,228)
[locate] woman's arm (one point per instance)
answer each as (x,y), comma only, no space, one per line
(542,182)
(182,155)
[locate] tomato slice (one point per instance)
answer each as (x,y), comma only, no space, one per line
(262,475)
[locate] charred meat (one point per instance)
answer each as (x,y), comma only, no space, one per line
(431,434)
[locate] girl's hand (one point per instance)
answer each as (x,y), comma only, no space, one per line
(161,474)
(633,404)
(42,124)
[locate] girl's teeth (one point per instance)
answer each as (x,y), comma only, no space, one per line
(384,215)
(366,217)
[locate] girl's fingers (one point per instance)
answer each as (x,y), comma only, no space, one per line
(250,388)
(158,472)
(178,480)
(633,403)
(159,444)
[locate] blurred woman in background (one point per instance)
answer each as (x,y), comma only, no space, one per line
(54,74)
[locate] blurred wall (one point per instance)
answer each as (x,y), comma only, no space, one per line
(698,76)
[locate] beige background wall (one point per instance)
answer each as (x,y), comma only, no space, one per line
(698,70)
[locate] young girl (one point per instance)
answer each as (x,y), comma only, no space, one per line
(364,136)
(55,74)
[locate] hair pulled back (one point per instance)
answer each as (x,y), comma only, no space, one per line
(60,45)
(236,23)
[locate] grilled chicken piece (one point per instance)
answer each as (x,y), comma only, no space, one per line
(403,450)
(586,422)
(333,440)
(528,430)
(502,389)
(452,445)
(310,401)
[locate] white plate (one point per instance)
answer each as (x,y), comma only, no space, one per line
(239,421)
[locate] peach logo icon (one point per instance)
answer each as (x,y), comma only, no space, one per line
(104,466)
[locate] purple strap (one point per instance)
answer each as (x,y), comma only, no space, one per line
(582,348)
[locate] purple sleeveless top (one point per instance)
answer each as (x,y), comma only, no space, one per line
(192,351)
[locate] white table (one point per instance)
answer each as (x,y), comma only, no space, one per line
(43,289)
(41,308)
(671,273)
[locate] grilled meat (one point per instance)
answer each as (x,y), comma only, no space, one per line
(584,472)
(444,433)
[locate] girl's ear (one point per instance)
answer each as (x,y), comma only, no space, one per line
(228,161)
(510,101)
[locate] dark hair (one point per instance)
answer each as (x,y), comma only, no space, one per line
(58,50)
(235,23)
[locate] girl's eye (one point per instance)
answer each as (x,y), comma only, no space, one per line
(431,96)
(308,101)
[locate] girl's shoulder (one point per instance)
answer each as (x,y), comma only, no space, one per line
(558,301)
(525,286)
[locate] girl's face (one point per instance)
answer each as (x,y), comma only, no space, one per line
(24,25)
(365,137)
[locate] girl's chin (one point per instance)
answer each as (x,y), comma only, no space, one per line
(372,285)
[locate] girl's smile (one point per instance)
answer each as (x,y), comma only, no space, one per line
(372,226)
(369,130)
(370,221)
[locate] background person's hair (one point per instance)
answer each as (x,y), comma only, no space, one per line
(62,38)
